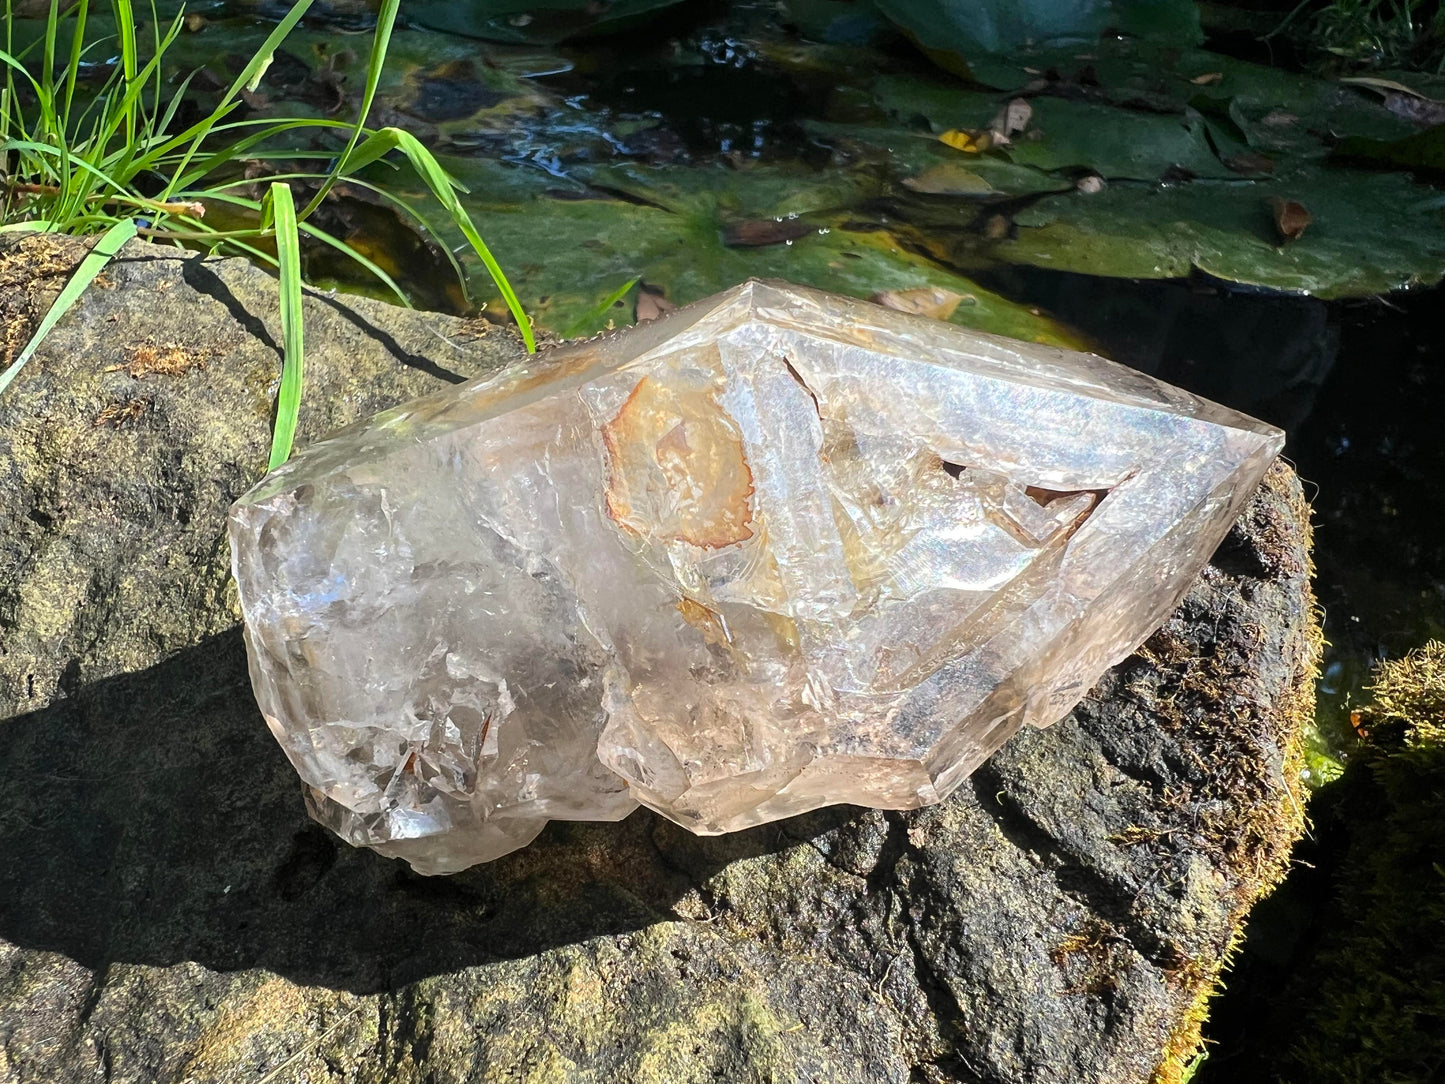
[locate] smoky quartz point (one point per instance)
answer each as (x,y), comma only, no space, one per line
(777,550)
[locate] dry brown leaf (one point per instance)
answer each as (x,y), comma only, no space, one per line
(1290,218)
(756,233)
(1249,162)
(1401,100)
(1425,112)
(1208,79)
(147,358)
(1381,86)
(651,303)
(120,413)
(932,301)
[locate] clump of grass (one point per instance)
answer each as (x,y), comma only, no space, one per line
(1372,33)
(116,161)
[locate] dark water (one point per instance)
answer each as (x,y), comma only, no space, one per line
(1360,389)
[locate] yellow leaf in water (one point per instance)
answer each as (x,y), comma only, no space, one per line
(962,140)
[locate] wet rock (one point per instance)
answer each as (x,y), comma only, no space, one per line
(168,913)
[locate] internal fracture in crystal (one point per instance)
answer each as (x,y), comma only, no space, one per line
(777,550)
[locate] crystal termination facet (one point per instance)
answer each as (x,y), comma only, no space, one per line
(777,550)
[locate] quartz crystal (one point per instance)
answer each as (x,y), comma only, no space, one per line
(776,550)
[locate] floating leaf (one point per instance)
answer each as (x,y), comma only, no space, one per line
(1290,217)
(960,139)
(1116,143)
(850,22)
(949,179)
(669,230)
(1372,234)
(957,31)
(529,22)
(652,303)
(1423,151)
(1249,162)
(1403,101)
(755,233)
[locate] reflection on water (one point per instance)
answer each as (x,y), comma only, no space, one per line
(1375,446)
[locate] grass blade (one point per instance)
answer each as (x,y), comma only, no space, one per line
(125,32)
(380,42)
(252,72)
(47,62)
(288,252)
(72,70)
(94,263)
(129,105)
(445,190)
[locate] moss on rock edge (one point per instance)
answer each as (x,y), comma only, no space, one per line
(1373,997)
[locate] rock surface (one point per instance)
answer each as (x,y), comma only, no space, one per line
(168,912)
(143,416)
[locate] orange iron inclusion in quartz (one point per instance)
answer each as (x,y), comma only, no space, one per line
(777,550)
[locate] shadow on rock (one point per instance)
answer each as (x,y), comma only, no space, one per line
(152,819)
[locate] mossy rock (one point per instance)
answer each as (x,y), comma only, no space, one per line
(1364,993)
(167,912)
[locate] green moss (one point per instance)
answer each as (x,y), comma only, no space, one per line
(1258,820)
(1380,976)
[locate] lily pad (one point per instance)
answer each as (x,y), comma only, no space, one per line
(963,29)
(542,22)
(1067,133)
(838,22)
(1220,137)
(673,235)
(1369,234)
(1423,151)
(1115,143)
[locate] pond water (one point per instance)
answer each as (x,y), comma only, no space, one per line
(1359,388)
